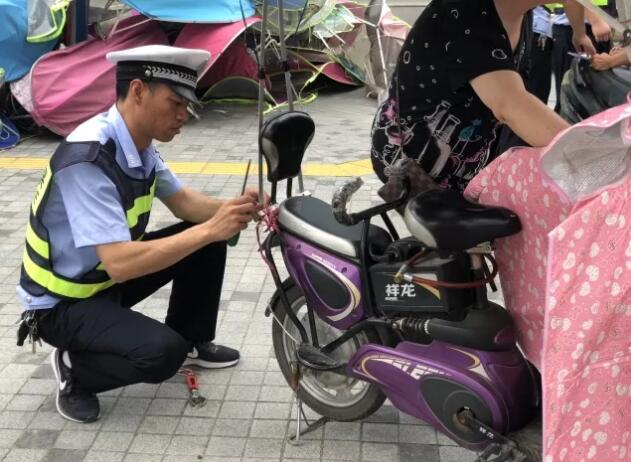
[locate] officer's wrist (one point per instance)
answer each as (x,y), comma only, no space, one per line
(205,233)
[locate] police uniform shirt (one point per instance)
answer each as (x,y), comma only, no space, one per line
(560,19)
(541,21)
(84,207)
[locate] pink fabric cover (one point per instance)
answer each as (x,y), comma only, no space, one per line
(228,56)
(70,85)
(566,279)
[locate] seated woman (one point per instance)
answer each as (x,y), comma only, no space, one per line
(455,82)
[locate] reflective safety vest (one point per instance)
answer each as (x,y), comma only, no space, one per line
(554,6)
(38,275)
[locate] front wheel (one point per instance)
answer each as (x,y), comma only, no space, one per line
(332,395)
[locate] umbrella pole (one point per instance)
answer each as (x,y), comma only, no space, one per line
(285,64)
(261,100)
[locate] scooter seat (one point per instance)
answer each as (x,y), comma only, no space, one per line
(444,219)
(312,220)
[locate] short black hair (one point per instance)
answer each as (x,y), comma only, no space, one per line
(122,88)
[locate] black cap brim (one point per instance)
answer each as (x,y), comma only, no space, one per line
(185,93)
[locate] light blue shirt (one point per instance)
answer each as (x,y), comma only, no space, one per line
(84,207)
(560,20)
(542,22)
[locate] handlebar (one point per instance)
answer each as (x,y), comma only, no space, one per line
(340,200)
(342,196)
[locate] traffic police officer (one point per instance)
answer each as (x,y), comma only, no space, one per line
(88,258)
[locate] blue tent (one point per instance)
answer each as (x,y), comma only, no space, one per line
(206,11)
(16,54)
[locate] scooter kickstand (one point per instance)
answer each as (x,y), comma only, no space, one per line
(295,385)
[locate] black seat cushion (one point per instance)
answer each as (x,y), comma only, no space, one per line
(312,220)
(284,140)
(444,219)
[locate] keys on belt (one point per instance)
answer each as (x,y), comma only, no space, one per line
(28,328)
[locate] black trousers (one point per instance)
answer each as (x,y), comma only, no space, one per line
(111,346)
(539,78)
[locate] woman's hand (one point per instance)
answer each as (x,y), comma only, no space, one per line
(602,62)
(615,50)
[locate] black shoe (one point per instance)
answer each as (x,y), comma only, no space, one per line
(72,401)
(211,356)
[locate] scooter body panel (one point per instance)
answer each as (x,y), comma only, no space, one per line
(332,285)
(401,372)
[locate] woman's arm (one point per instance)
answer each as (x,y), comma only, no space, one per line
(604,61)
(576,15)
(504,93)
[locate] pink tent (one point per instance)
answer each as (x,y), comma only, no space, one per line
(566,279)
(70,85)
(336,72)
(228,56)
(232,64)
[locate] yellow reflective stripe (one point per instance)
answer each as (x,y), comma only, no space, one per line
(141,205)
(58,25)
(47,279)
(40,192)
(38,244)
(553,6)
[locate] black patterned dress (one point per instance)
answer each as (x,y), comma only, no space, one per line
(432,113)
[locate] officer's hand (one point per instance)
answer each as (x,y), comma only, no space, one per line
(583,44)
(601,31)
(253,193)
(232,217)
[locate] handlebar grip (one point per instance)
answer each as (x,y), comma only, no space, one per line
(340,199)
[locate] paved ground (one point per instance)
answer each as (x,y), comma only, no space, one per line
(247,416)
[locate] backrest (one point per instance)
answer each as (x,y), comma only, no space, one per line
(283,141)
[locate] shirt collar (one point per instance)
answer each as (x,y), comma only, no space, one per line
(132,156)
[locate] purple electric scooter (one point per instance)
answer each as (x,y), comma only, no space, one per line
(366,315)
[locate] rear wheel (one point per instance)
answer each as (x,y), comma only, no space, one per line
(336,396)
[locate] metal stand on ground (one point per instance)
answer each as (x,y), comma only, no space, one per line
(300,414)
